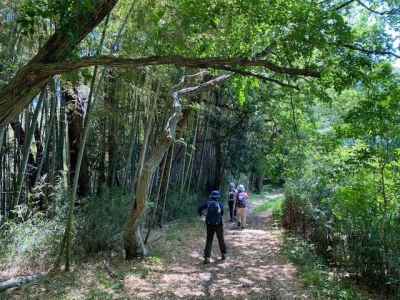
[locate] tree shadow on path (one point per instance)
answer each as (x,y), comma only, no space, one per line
(254,269)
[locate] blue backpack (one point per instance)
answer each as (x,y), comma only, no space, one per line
(214,213)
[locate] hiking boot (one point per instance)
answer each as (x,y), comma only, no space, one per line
(206,261)
(223,257)
(238,224)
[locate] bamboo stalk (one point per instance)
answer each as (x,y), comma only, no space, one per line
(28,142)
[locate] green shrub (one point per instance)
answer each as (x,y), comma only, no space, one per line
(183,207)
(339,204)
(316,276)
(101,220)
(31,239)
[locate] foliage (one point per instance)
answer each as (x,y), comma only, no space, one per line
(100,222)
(59,12)
(346,198)
(181,207)
(332,140)
(316,276)
(273,205)
(30,240)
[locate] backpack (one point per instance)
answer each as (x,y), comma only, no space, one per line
(241,200)
(214,213)
(232,196)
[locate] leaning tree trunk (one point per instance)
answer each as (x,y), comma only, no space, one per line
(142,190)
(174,124)
(28,81)
(171,159)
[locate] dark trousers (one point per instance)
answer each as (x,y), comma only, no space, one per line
(219,230)
(231,207)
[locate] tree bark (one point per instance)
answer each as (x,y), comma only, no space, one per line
(173,125)
(75,114)
(27,83)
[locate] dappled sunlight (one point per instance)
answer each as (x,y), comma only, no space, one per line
(253,268)
(139,287)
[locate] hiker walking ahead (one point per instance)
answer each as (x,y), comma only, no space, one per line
(214,212)
(241,204)
(231,201)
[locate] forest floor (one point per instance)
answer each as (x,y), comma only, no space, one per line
(254,268)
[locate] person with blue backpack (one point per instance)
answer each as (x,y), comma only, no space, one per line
(214,221)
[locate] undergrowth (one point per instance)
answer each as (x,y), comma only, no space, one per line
(30,240)
(272,205)
(317,277)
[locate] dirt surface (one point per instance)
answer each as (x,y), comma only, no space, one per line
(254,268)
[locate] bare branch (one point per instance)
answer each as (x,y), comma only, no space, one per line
(343,5)
(382,13)
(259,76)
(187,77)
(369,51)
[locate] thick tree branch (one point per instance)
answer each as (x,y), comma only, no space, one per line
(73,32)
(26,84)
(212,62)
(28,81)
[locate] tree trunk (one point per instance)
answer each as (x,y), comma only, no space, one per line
(142,189)
(219,164)
(28,82)
(75,114)
(259,183)
(171,159)
(173,126)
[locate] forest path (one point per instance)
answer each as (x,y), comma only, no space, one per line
(254,268)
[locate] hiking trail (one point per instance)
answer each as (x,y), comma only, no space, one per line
(254,268)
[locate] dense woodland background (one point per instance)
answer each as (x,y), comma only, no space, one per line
(118,117)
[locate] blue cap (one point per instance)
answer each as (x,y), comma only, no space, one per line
(215,195)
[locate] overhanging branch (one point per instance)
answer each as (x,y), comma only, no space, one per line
(212,62)
(18,93)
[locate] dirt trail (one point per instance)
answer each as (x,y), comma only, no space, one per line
(254,268)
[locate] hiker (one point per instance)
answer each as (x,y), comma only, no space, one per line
(231,201)
(241,204)
(214,213)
